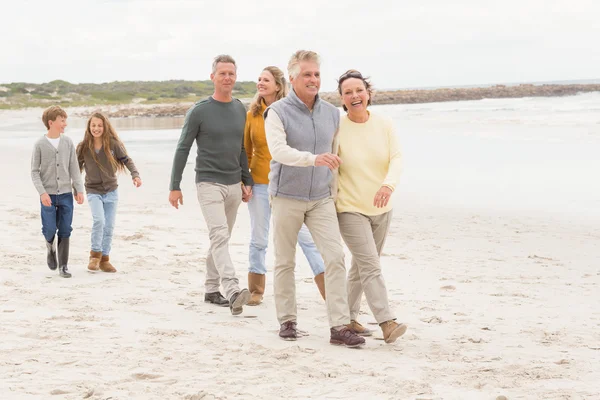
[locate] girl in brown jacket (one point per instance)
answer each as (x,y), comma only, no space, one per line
(102,155)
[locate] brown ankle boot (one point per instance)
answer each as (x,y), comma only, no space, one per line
(357,328)
(256,286)
(95,257)
(320,282)
(105,264)
(392,330)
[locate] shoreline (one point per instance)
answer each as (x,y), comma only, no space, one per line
(405,96)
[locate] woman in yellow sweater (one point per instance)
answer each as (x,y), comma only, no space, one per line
(371,165)
(271,86)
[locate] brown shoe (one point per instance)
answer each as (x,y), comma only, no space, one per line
(105,264)
(256,286)
(346,337)
(288,331)
(95,257)
(360,330)
(392,330)
(320,282)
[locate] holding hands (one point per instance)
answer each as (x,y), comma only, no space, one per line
(246,193)
(382,197)
(328,160)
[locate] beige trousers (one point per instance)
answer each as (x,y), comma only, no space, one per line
(219,204)
(288,215)
(365,237)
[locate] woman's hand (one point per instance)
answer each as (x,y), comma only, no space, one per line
(382,197)
(137,182)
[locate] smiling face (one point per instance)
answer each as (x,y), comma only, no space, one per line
(224,77)
(96,127)
(58,125)
(355,95)
(308,82)
(266,85)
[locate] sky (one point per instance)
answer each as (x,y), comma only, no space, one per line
(398,43)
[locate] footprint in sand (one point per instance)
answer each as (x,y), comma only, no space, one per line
(142,376)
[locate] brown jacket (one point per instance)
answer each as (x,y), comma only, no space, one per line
(103,180)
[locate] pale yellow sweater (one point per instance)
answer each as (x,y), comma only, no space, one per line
(371,158)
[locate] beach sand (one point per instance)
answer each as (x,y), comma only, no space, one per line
(497,303)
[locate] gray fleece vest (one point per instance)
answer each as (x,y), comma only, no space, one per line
(305,131)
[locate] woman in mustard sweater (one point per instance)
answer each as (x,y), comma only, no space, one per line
(371,165)
(271,86)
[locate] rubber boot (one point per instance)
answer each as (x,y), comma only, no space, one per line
(63,257)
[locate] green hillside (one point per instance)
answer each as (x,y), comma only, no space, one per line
(20,94)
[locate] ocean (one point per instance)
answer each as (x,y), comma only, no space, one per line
(526,155)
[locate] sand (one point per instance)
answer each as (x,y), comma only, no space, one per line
(498,304)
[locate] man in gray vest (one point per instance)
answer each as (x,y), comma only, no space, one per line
(300,130)
(223,180)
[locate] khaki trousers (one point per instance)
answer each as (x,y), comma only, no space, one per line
(320,217)
(219,204)
(365,237)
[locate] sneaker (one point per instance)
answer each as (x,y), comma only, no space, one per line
(360,330)
(288,331)
(216,298)
(346,337)
(238,301)
(64,271)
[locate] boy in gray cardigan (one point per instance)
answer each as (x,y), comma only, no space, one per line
(54,171)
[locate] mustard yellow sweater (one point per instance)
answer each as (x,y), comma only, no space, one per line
(255,142)
(371,158)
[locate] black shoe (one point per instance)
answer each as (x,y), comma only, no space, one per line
(238,301)
(63,270)
(216,298)
(51,255)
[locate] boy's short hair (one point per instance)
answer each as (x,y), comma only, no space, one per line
(51,113)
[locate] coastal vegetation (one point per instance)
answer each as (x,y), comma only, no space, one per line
(173,97)
(63,93)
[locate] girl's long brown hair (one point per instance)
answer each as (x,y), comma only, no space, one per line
(109,140)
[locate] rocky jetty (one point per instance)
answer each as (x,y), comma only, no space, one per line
(408,96)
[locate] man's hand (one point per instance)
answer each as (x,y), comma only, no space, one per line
(79,198)
(328,160)
(137,182)
(246,193)
(176,198)
(45,198)
(382,197)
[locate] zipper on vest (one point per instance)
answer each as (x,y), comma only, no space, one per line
(312,175)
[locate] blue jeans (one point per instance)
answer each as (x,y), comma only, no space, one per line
(260,217)
(59,216)
(104,211)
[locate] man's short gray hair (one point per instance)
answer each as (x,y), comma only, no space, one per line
(297,57)
(222,58)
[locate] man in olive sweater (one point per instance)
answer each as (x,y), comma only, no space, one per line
(223,180)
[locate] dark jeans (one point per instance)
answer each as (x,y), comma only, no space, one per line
(59,216)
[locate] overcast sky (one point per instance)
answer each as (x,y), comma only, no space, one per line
(398,43)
